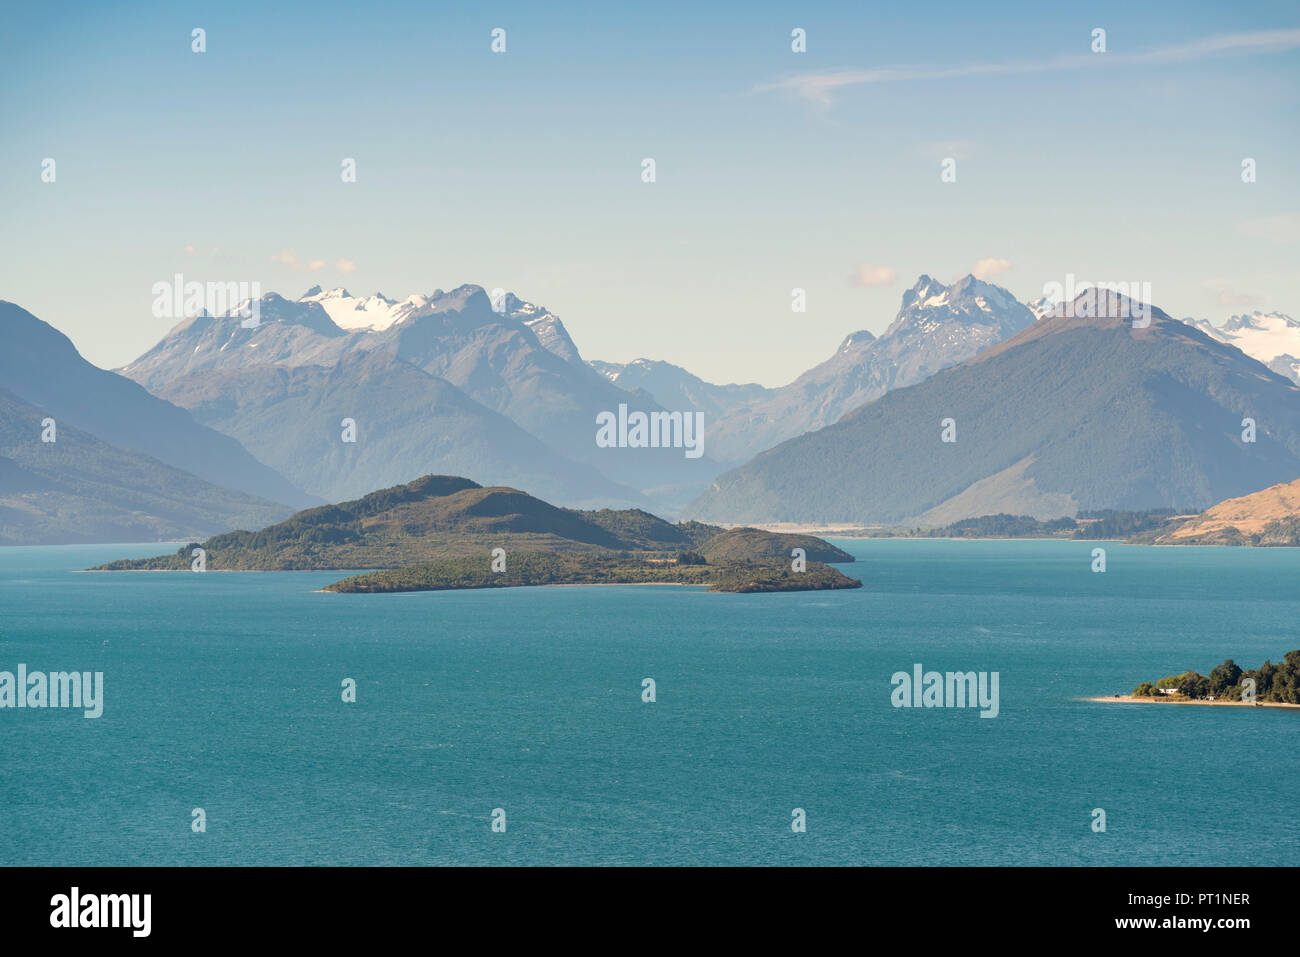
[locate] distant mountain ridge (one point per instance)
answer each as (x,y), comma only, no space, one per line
(470,372)
(40,365)
(937,326)
(1073,412)
(521,363)
(676,388)
(497,359)
(291,417)
(1271,337)
(79,489)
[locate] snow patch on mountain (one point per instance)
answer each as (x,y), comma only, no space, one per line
(1271,337)
(355,313)
(1042,306)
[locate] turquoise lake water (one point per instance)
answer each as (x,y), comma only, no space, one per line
(222,691)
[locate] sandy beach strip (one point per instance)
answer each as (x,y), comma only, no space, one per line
(1129,699)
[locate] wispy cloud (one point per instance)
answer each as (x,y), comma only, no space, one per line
(290,258)
(867,275)
(817,87)
(988,268)
(1222,291)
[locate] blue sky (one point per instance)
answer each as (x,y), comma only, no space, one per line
(775,170)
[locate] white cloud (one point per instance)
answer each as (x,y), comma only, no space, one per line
(866,274)
(817,87)
(290,258)
(1223,293)
(1236,299)
(988,268)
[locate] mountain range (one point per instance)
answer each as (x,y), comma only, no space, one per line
(936,327)
(41,366)
(675,388)
(495,388)
(1271,337)
(496,361)
(1083,409)
(291,417)
(77,488)
(89,456)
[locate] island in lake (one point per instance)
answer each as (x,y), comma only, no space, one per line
(1275,685)
(444,532)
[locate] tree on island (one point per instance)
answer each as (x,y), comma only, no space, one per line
(1194,685)
(1224,676)
(1278,682)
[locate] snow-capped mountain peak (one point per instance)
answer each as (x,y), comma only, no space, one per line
(1042,306)
(355,313)
(378,312)
(545,325)
(968,301)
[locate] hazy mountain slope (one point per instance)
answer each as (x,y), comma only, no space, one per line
(1072,409)
(80,489)
(545,325)
(290,333)
(500,363)
(496,359)
(408,424)
(937,326)
(40,365)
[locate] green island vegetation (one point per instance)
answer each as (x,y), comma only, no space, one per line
(1101,524)
(1278,682)
(439,532)
(543,568)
